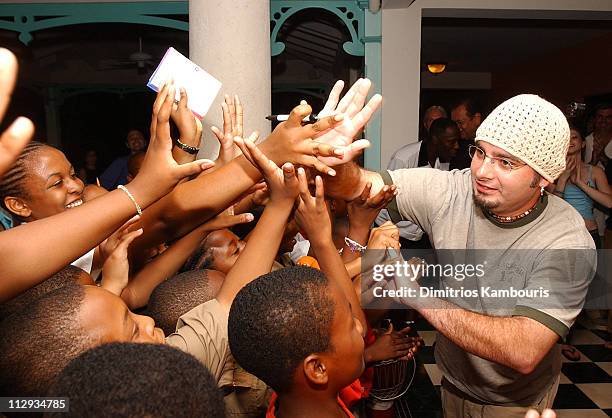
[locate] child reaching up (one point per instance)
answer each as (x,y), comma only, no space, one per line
(307,324)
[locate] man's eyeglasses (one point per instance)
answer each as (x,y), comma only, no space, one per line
(504,164)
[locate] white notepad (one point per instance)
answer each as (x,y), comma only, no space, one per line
(201,87)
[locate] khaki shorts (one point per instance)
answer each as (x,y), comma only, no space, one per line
(457,407)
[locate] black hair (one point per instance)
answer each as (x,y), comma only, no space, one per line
(12,183)
(279,319)
(472,106)
(439,126)
(68,275)
(38,341)
(202,258)
(177,296)
(137,380)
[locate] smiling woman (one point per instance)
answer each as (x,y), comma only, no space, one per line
(42,183)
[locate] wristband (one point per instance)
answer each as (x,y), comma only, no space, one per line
(187,148)
(138,209)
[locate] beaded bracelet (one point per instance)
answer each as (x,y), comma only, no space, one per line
(354,246)
(138,209)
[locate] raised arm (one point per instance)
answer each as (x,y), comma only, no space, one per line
(330,139)
(58,240)
(190,130)
(517,342)
(258,255)
(313,218)
(362,212)
(193,202)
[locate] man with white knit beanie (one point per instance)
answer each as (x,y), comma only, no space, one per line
(499,356)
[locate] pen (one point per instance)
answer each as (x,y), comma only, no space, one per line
(281,118)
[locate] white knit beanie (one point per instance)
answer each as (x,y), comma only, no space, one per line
(532,129)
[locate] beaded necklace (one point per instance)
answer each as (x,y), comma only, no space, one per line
(509,219)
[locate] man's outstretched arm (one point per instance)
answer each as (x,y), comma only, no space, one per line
(517,342)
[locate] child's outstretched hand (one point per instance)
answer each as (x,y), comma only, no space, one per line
(232,126)
(312,215)
(282,183)
(16,137)
(189,127)
(116,268)
(160,172)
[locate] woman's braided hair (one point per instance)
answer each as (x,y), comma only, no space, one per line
(12,183)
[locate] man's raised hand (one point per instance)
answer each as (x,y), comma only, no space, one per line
(356,116)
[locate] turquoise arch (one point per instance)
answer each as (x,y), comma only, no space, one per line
(347,10)
(27,18)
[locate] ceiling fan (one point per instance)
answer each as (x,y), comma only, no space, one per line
(140,60)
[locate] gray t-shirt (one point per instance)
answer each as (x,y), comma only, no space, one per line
(552,251)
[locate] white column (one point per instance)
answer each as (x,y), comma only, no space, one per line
(231,41)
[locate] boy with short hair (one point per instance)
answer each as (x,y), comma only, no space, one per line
(307,325)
